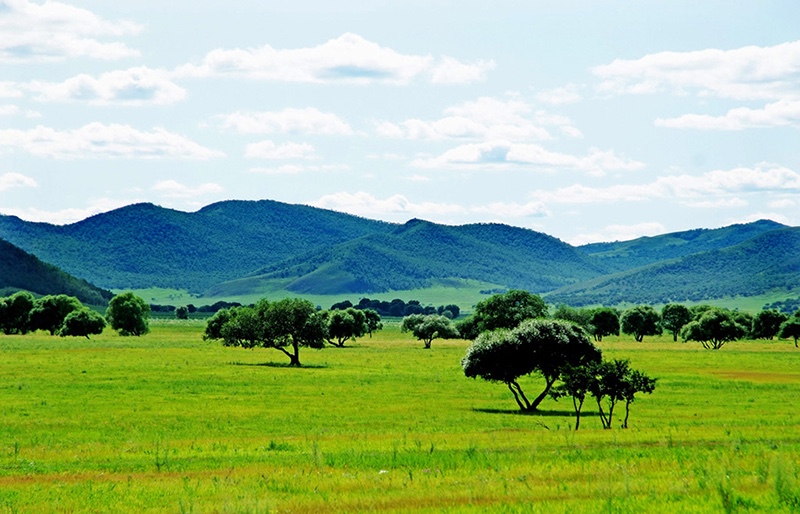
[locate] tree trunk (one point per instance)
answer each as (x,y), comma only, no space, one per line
(627,413)
(516,396)
(674,337)
(578,406)
(548,384)
(603,421)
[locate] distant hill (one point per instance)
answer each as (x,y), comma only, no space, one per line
(419,254)
(767,262)
(20,270)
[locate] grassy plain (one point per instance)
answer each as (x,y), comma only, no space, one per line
(169,423)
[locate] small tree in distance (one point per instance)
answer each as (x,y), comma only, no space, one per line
(426,328)
(767,324)
(373,321)
(128,314)
(673,318)
(604,322)
(791,328)
(641,321)
(82,323)
(345,324)
(713,329)
(182,312)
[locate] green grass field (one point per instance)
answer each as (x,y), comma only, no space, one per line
(169,423)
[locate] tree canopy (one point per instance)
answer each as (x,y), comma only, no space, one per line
(49,312)
(604,321)
(790,328)
(128,314)
(673,318)
(767,324)
(344,325)
(426,328)
(641,321)
(82,323)
(713,329)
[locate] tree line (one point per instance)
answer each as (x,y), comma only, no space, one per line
(398,308)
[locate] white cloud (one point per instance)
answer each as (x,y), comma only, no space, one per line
(504,155)
(10,90)
(399,208)
(451,71)
(9,110)
(486,118)
(12,180)
(778,114)
(97,140)
(270,150)
(174,189)
(750,72)
(296,169)
(782,203)
(31,32)
(619,233)
(306,121)
(65,216)
(134,86)
(568,94)
(349,59)
(763,178)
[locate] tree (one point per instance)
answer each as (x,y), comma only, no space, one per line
(714,328)
(576,383)
(49,312)
(373,321)
(427,327)
(604,322)
(285,325)
(615,381)
(128,314)
(182,312)
(508,310)
(582,317)
(641,321)
(15,313)
(543,346)
(82,323)
(767,324)
(345,324)
(673,318)
(790,328)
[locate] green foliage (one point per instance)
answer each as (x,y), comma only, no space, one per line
(428,327)
(582,317)
(15,313)
(543,346)
(344,325)
(182,312)
(790,328)
(713,329)
(128,314)
(604,321)
(673,317)
(49,312)
(767,324)
(373,320)
(82,323)
(508,310)
(615,381)
(641,321)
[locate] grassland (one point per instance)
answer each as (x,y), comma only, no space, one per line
(169,423)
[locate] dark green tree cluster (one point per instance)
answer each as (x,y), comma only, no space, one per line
(791,328)
(599,322)
(399,308)
(505,310)
(129,315)
(57,314)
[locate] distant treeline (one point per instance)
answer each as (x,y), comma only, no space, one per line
(399,308)
(787,306)
(215,307)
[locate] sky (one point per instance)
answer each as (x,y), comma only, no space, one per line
(589,120)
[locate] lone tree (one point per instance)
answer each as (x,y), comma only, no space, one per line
(82,323)
(428,327)
(285,325)
(128,314)
(791,328)
(182,312)
(641,321)
(345,324)
(506,310)
(713,329)
(673,318)
(542,346)
(49,312)
(373,321)
(604,322)
(767,324)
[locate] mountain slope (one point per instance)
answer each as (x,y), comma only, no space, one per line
(144,245)
(626,255)
(766,262)
(420,254)
(20,270)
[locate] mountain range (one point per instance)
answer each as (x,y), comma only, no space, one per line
(238,248)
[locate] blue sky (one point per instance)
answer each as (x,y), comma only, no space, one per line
(587,120)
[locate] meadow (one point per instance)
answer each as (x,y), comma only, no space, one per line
(170,423)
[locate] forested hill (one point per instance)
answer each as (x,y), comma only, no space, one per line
(20,270)
(144,245)
(767,262)
(420,254)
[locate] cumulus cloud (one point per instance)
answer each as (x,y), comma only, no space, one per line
(98,140)
(399,208)
(270,150)
(486,118)
(777,114)
(504,155)
(690,188)
(308,121)
(745,73)
(10,90)
(296,169)
(13,180)
(32,32)
(568,94)
(349,59)
(134,86)
(619,233)
(174,189)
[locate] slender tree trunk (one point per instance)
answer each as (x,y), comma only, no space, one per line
(516,396)
(578,406)
(548,384)
(428,343)
(674,337)
(627,413)
(602,413)
(518,391)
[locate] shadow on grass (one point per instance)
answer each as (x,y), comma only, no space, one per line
(537,413)
(278,365)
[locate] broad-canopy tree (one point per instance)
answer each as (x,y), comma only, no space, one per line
(713,329)
(604,321)
(505,310)
(582,317)
(285,325)
(374,323)
(82,323)
(49,312)
(128,314)
(641,321)
(790,328)
(428,327)
(543,346)
(344,325)
(673,318)
(767,324)
(15,313)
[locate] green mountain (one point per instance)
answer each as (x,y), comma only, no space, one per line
(143,245)
(20,270)
(421,254)
(769,261)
